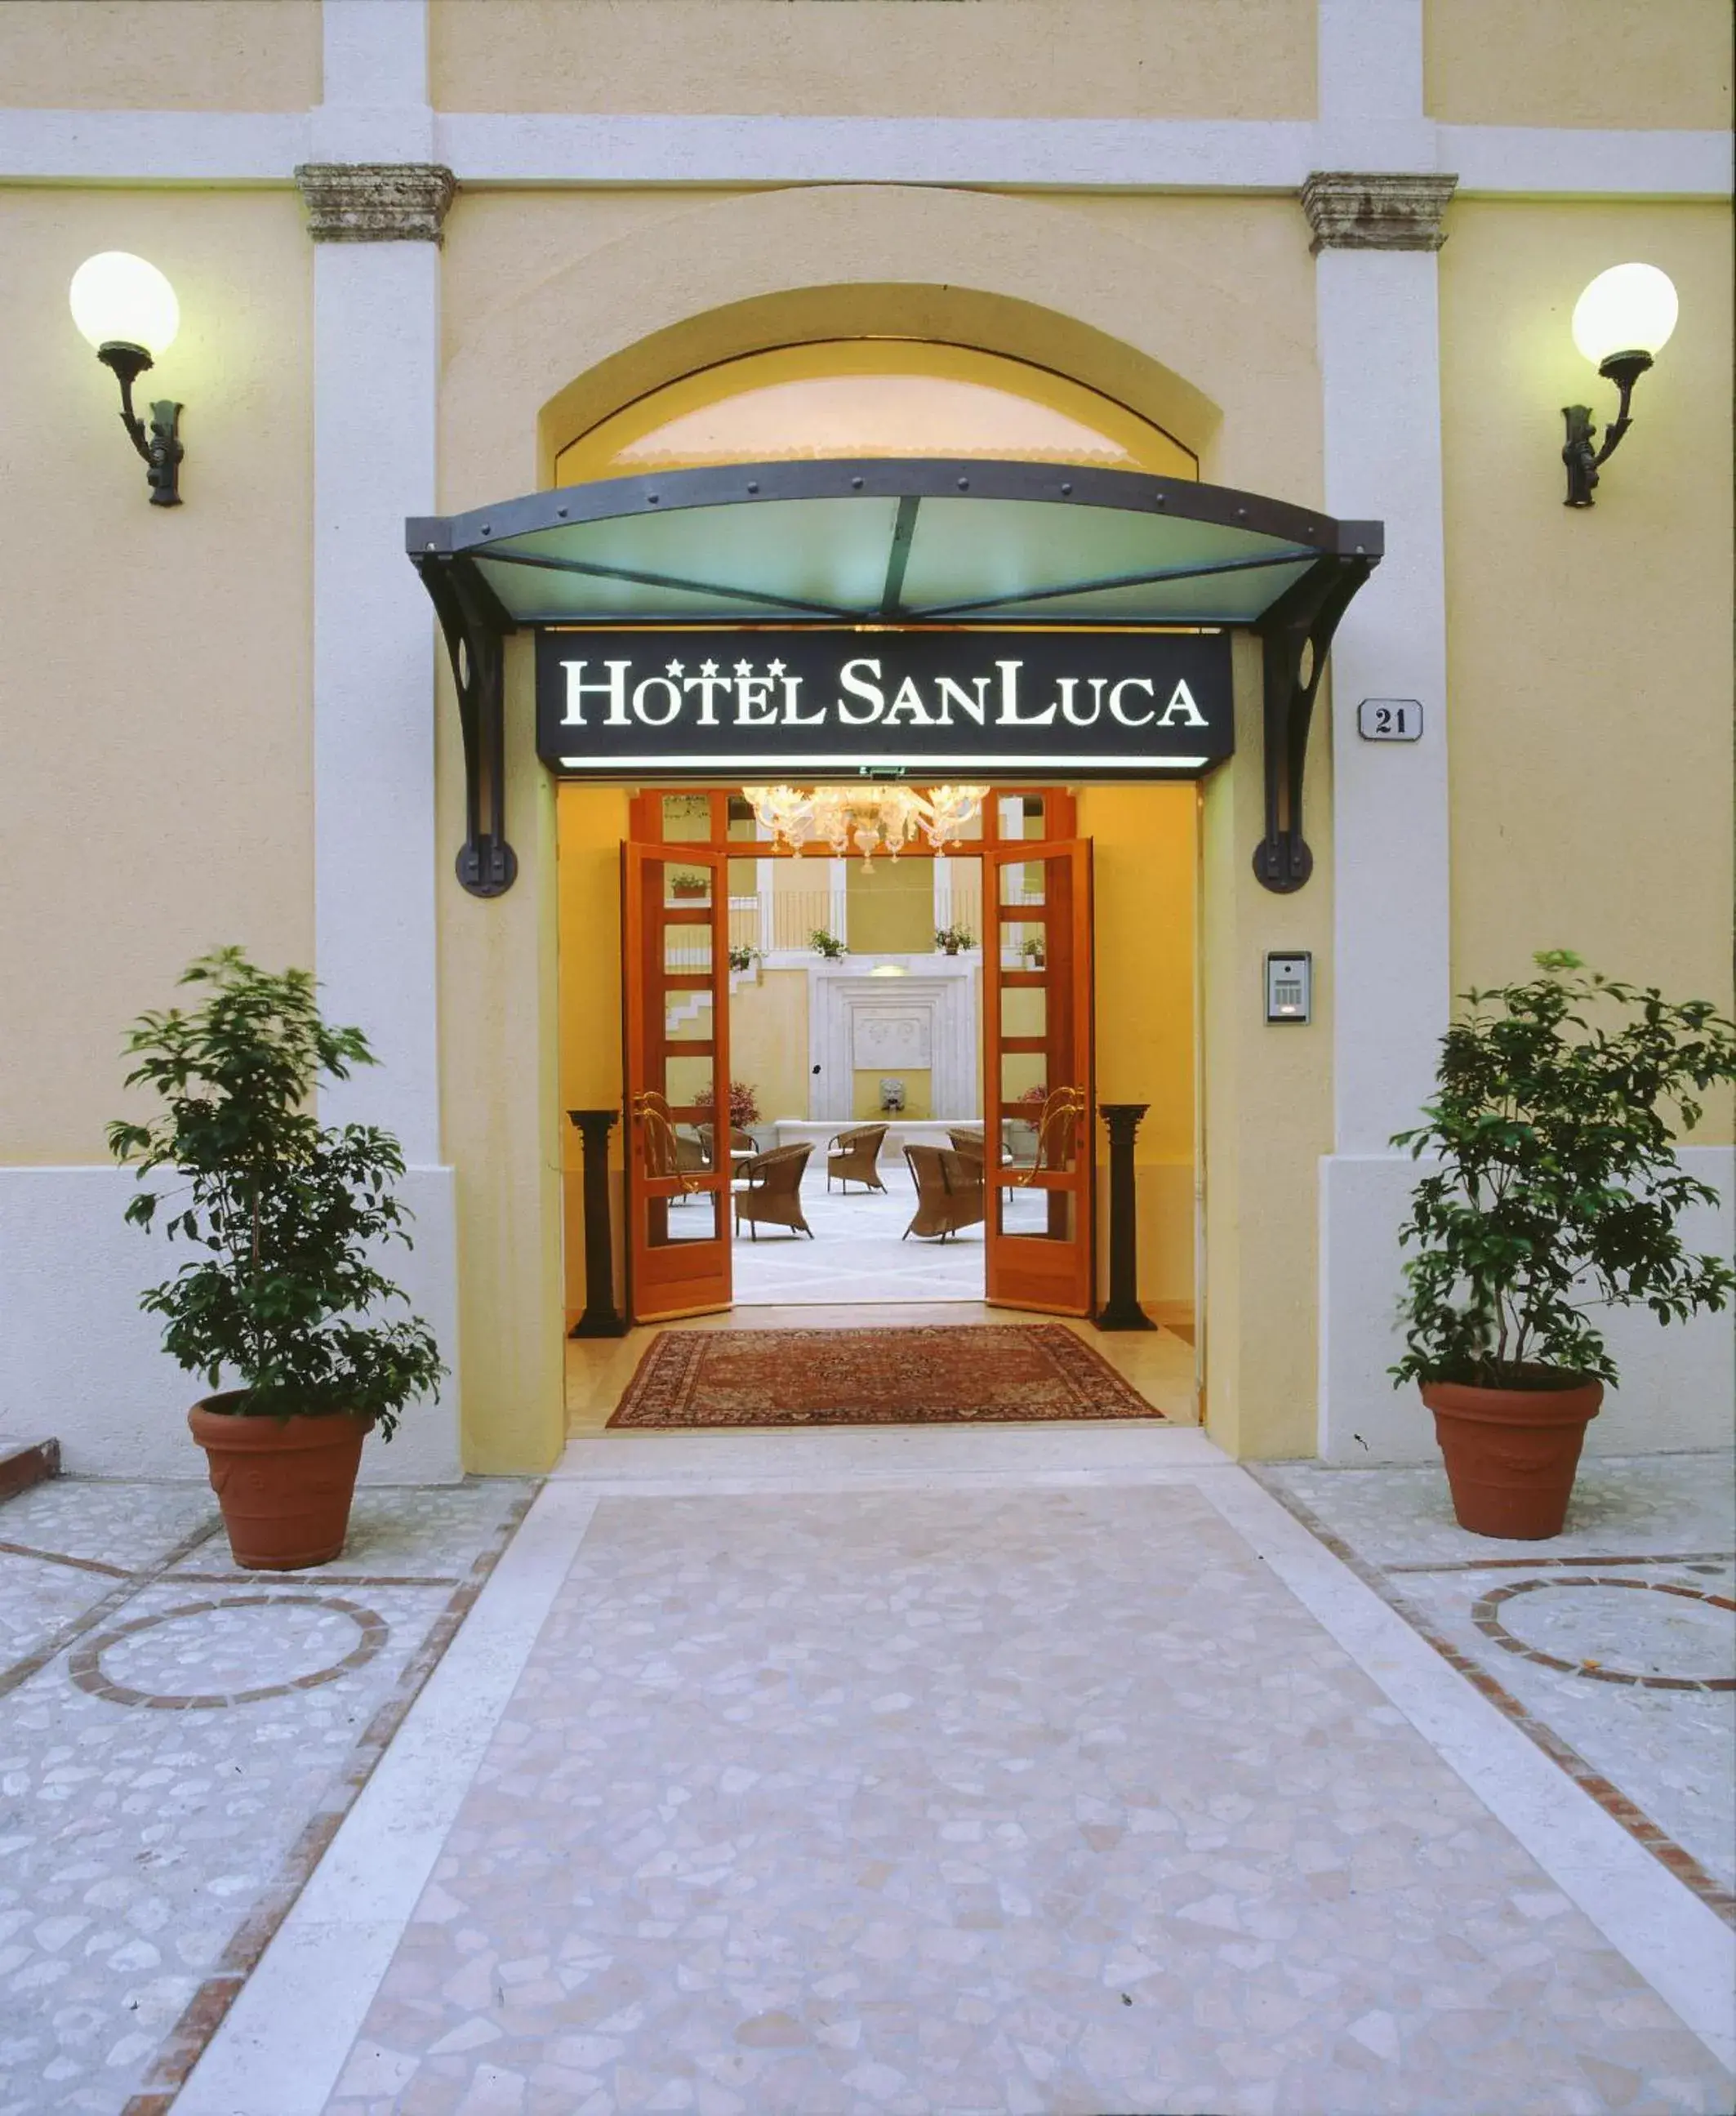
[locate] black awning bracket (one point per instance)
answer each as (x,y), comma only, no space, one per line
(475,628)
(516,564)
(1296,636)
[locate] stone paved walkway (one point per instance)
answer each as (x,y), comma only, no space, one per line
(178,1743)
(1050,1771)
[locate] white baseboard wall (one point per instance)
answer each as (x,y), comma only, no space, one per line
(1678,1383)
(80,1360)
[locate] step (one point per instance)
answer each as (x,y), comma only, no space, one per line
(26,1462)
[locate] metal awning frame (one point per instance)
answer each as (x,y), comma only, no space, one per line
(1296,628)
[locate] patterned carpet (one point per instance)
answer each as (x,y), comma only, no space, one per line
(903,1377)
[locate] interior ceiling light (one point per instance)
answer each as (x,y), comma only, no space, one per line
(1621,323)
(864,819)
(128,312)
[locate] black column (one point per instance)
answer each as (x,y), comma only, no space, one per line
(1122,1310)
(601,1317)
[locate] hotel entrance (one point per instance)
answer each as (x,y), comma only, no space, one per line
(894,567)
(983,1128)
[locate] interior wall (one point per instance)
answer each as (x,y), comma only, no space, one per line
(769,1041)
(1144,863)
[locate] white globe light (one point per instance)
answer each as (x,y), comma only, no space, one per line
(1630,308)
(118,298)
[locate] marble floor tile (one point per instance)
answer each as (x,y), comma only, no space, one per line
(171,1768)
(1032,1799)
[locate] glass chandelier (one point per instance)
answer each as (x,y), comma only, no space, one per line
(864,819)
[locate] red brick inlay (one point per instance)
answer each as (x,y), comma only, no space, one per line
(85,1667)
(1484,1617)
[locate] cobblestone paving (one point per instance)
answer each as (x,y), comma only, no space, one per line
(178,1740)
(1052,1802)
(1614,1641)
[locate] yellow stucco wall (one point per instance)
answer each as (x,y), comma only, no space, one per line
(1589,650)
(160,54)
(991,58)
(1145,869)
(1578,62)
(769,1041)
(155,712)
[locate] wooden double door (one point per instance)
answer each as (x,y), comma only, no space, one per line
(1038,1093)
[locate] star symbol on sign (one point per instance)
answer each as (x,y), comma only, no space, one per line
(676,668)
(744,668)
(775,668)
(708,667)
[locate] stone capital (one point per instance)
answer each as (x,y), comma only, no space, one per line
(1352,210)
(375,201)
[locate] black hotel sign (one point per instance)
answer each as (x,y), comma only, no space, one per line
(758,701)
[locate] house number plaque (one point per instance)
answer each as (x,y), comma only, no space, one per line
(1390,719)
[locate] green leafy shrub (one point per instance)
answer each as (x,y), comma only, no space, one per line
(826,944)
(288,1212)
(1558,1105)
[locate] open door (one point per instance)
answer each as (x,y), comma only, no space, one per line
(1039,1091)
(675,919)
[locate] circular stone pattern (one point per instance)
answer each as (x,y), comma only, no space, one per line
(1589,1626)
(235,1651)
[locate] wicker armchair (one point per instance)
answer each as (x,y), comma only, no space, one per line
(969,1139)
(949,1190)
(852,1156)
(771,1190)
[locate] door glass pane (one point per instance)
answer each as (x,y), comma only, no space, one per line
(1020,815)
(1037,1215)
(1024,1011)
(686,888)
(688,1088)
(691,1217)
(685,816)
(1023,881)
(1024,944)
(686,950)
(742,824)
(686,1016)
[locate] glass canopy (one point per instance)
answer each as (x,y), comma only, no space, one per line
(873,540)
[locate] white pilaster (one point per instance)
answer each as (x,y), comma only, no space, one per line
(376,351)
(1377,230)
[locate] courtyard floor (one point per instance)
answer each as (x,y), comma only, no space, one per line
(1067,1769)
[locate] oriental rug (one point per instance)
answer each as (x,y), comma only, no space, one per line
(925,1375)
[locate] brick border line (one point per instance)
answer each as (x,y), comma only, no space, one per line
(1675,1858)
(86,1669)
(1484,1615)
(60,1558)
(185,2043)
(1696,1558)
(118,1596)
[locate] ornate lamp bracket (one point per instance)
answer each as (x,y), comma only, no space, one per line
(1295,635)
(474,627)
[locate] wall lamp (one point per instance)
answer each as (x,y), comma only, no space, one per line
(1621,323)
(128,312)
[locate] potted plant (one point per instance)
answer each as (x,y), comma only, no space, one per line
(1557,1189)
(952,940)
(1032,951)
(687,883)
(826,944)
(289,1215)
(743,958)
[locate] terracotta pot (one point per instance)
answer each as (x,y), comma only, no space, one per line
(1511,1453)
(284,1486)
